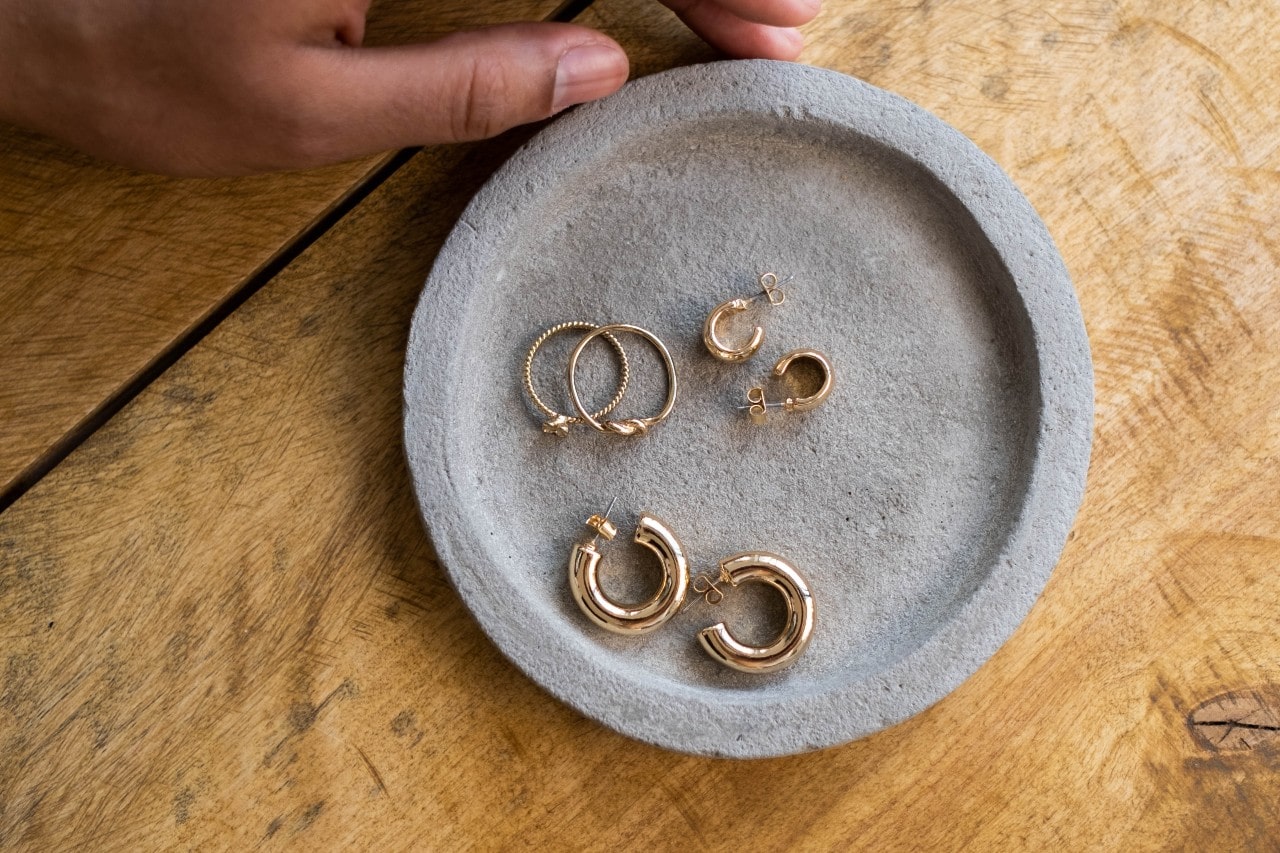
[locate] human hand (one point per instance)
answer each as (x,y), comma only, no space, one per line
(220,87)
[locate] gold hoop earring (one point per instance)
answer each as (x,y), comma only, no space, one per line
(556,423)
(584,581)
(758,408)
(710,333)
(762,567)
(629,426)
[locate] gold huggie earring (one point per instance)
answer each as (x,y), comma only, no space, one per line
(584,581)
(710,335)
(558,424)
(629,426)
(756,406)
(775,571)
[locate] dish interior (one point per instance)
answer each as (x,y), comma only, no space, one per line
(894,499)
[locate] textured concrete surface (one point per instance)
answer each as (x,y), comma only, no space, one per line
(926,502)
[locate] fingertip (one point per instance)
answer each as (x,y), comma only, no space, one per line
(737,36)
(788,42)
(586,72)
(757,41)
(795,13)
(770,13)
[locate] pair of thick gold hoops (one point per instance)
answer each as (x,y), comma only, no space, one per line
(672,594)
(757,406)
(558,424)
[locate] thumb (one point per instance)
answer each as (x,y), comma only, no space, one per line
(469,85)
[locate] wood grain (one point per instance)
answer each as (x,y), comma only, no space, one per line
(225,627)
(104,268)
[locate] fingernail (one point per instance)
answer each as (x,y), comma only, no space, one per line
(587,72)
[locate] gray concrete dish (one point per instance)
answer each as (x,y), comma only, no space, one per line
(926,502)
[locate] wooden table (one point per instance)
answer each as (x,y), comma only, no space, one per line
(223,625)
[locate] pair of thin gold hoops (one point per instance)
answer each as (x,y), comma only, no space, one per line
(557,423)
(757,406)
(672,595)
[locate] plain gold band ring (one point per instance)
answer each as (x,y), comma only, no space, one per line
(630,426)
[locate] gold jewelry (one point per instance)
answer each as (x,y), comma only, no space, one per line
(558,424)
(775,571)
(711,337)
(584,581)
(756,406)
(630,426)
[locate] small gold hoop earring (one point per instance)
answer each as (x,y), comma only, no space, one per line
(758,408)
(771,291)
(558,424)
(761,567)
(584,580)
(629,426)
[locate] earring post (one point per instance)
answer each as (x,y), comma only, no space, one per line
(602,525)
(771,288)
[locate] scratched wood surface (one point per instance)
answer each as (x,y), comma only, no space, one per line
(101,268)
(224,626)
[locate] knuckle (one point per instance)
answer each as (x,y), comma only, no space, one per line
(481,108)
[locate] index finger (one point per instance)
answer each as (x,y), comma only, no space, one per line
(773,13)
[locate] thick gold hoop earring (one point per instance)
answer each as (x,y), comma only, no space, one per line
(584,580)
(711,334)
(556,423)
(629,426)
(758,408)
(762,567)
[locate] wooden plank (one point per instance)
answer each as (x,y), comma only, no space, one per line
(104,268)
(224,625)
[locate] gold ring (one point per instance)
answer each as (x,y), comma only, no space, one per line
(558,424)
(630,426)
